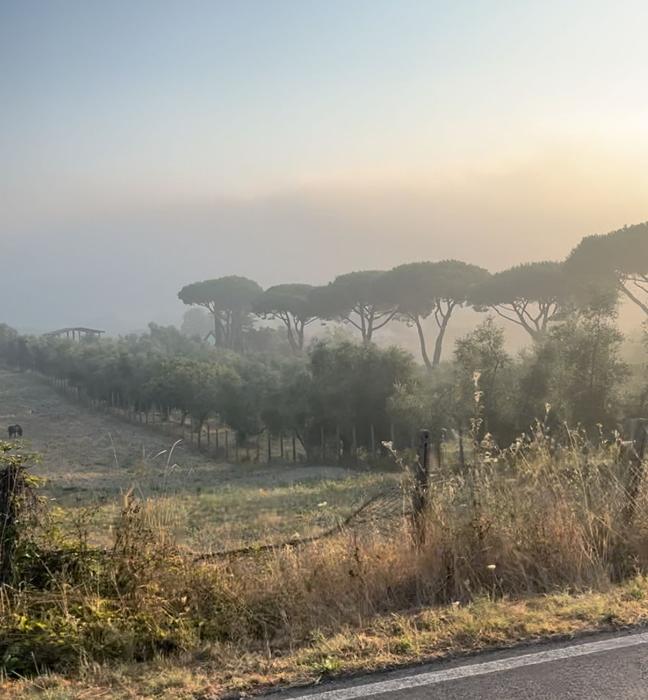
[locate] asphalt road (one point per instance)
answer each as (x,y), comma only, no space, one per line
(614,667)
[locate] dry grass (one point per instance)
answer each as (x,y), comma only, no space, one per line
(90,458)
(534,545)
(387,641)
(528,543)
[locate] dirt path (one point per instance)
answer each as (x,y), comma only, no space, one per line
(83,450)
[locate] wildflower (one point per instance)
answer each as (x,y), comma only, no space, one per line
(323,504)
(492,567)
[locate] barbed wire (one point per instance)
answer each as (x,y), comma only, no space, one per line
(386,505)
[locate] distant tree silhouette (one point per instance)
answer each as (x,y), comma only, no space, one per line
(229,300)
(291,304)
(530,295)
(435,289)
(358,299)
(617,260)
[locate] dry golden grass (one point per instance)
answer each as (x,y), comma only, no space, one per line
(534,546)
(89,458)
(387,641)
(533,542)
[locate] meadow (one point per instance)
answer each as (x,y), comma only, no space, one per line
(525,543)
(89,460)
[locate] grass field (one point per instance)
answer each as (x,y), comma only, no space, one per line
(89,459)
(531,544)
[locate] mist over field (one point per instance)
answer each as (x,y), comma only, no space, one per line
(323,346)
(118,267)
(144,148)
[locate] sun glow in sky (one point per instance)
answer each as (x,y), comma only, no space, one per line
(514,126)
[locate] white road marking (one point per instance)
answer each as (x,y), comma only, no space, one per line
(453,674)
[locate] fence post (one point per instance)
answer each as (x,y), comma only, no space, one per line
(294,447)
(227,444)
(637,455)
(323,444)
(269,434)
(421,485)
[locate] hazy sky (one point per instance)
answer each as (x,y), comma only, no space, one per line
(147,143)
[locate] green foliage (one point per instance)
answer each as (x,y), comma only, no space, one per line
(577,371)
(19,508)
(484,376)
(352,384)
(429,402)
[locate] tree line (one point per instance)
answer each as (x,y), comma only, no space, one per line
(341,391)
(358,394)
(601,269)
(347,397)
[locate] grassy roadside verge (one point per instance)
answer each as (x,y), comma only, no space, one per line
(388,641)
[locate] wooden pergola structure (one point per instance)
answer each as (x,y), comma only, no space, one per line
(76,333)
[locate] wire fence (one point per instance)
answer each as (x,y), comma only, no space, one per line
(386,507)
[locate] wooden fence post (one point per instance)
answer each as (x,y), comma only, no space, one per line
(294,447)
(421,486)
(637,455)
(269,434)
